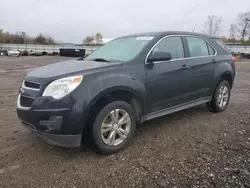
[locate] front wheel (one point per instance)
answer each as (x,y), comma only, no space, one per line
(221,97)
(114,127)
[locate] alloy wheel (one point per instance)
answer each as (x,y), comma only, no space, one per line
(223,95)
(115,127)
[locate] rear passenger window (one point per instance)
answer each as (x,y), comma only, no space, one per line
(211,50)
(197,47)
(172,45)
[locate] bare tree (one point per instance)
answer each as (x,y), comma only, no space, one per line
(232,32)
(213,24)
(50,40)
(23,36)
(19,37)
(43,39)
(1,35)
(242,26)
(40,39)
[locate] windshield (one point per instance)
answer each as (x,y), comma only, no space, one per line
(121,49)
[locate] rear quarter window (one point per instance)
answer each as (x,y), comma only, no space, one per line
(222,45)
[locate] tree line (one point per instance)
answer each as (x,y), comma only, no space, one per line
(96,39)
(239,30)
(23,38)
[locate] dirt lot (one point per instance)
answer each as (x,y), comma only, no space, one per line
(192,148)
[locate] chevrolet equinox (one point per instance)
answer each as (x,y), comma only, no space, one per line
(125,82)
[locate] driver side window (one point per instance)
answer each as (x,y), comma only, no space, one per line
(172,45)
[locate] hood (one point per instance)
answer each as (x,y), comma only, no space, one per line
(67,68)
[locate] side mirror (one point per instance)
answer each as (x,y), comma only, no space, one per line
(159,56)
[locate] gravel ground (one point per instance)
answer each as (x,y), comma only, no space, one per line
(192,148)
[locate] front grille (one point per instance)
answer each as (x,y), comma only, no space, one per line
(26,101)
(31,85)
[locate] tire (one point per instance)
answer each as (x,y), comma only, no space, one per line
(108,114)
(218,105)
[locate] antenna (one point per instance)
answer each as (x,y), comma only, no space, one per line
(194,28)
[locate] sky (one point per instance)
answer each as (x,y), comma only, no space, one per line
(72,20)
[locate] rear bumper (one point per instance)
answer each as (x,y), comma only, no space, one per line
(67,141)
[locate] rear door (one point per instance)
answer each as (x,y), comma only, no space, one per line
(167,80)
(200,67)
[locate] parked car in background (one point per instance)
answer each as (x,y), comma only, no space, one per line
(25,53)
(13,53)
(32,52)
(130,80)
(3,52)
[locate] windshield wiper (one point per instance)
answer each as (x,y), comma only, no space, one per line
(100,59)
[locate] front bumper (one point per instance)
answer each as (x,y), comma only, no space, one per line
(68,141)
(59,122)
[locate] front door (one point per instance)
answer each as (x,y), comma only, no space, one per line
(167,80)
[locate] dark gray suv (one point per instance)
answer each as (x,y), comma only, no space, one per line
(129,80)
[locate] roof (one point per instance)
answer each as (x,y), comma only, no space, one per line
(160,33)
(107,40)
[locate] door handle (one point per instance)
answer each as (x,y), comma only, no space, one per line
(184,67)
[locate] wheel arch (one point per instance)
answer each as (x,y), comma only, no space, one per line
(226,76)
(224,71)
(122,93)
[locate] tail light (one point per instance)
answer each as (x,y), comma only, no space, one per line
(233,60)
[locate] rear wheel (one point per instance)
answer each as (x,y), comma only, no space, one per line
(114,127)
(221,97)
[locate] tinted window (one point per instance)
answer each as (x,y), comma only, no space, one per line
(210,50)
(172,45)
(222,44)
(197,47)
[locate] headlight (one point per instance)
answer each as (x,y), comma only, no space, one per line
(59,88)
